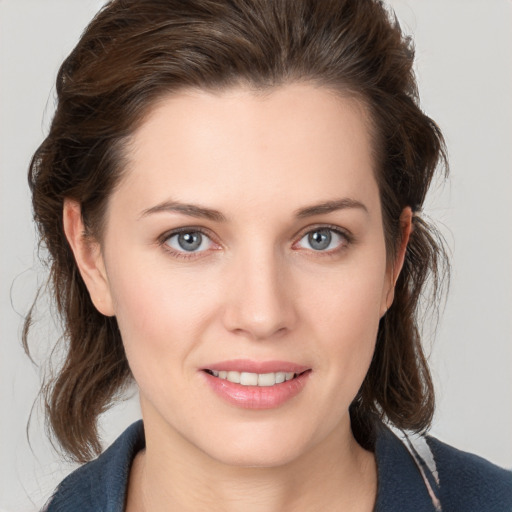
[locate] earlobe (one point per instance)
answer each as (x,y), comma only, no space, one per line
(88,257)
(405,230)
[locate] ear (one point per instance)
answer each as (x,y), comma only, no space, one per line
(398,262)
(88,257)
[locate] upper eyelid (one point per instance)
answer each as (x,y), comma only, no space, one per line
(186,229)
(297,237)
(301,232)
(337,229)
(332,227)
(176,253)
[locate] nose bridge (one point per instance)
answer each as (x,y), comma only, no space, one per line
(259,302)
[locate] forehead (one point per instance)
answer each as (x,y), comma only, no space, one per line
(297,141)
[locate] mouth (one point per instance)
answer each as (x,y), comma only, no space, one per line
(254,379)
(253,384)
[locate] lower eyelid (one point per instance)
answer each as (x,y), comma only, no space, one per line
(345,238)
(203,235)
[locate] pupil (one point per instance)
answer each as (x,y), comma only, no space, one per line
(189,241)
(320,239)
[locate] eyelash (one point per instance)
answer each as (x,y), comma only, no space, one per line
(347,236)
(162,241)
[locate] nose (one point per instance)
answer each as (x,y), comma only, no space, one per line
(259,297)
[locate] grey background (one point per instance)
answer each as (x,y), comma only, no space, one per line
(465,76)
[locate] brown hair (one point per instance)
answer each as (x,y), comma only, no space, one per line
(136,51)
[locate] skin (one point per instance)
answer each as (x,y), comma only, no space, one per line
(256,289)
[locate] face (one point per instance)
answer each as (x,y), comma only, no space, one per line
(245,242)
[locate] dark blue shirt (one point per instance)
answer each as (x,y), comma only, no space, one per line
(464,482)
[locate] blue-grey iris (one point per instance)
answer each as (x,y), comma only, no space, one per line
(190,241)
(320,239)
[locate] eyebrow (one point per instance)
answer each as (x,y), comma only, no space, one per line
(192,210)
(329,206)
(203,212)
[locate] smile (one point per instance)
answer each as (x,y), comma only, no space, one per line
(253,379)
(256,385)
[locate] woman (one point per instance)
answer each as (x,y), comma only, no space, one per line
(231,196)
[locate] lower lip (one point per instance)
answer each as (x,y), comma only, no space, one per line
(257,397)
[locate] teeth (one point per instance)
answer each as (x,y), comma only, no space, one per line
(233,377)
(254,379)
(248,379)
(267,379)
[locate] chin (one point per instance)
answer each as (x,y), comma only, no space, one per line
(262,446)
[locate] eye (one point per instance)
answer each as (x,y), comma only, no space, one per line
(324,239)
(188,241)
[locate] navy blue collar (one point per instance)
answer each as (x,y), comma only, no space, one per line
(101,484)
(400,483)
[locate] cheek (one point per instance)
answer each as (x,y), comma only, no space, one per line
(349,298)
(344,313)
(157,308)
(165,313)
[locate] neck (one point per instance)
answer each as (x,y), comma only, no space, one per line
(335,475)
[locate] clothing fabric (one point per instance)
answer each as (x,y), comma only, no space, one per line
(466,482)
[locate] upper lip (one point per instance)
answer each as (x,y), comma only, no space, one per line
(249,366)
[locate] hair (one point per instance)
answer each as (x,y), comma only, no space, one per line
(133,53)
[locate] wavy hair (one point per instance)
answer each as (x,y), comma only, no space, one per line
(133,53)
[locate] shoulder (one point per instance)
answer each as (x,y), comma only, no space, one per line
(101,483)
(423,474)
(469,482)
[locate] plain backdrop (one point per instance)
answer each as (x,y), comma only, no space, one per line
(465,78)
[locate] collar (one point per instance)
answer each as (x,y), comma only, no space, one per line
(101,485)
